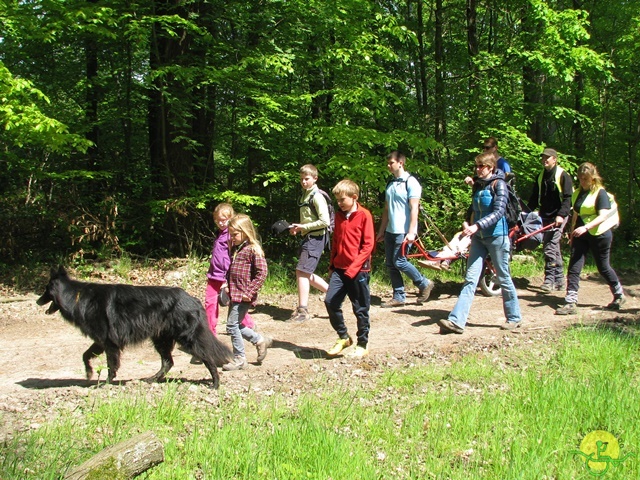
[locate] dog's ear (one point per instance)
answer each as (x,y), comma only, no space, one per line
(62,272)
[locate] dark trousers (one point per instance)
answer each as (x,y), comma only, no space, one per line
(600,248)
(358,291)
(553,265)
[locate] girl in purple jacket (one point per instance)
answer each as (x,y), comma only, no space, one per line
(218,268)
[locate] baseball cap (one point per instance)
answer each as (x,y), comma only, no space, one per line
(280,226)
(549,152)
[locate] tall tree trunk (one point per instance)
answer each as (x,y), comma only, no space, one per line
(577,132)
(440,115)
(532,82)
(422,63)
(171,159)
(200,119)
(172,162)
(491,32)
(632,152)
(127,121)
(472,51)
(320,82)
(91,110)
(253,154)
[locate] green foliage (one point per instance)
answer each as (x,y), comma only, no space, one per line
(25,124)
(169,108)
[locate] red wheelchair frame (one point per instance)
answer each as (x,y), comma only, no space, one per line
(489,285)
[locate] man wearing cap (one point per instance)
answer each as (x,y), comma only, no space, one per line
(552,198)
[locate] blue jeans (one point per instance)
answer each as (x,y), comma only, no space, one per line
(397,264)
(358,291)
(237,331)
(498,248)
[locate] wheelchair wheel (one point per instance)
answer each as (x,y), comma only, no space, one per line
(489,285)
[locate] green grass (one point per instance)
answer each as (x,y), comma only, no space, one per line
(516,413)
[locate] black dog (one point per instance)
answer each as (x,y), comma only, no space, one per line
(115,315)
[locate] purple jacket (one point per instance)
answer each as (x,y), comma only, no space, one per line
(220,259)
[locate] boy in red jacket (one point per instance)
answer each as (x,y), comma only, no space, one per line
(351,248)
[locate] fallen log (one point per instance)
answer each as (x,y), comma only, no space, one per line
(123,460)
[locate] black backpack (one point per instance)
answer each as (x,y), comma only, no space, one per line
(514,208)
(405,180)
(332,212)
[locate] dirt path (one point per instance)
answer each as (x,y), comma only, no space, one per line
(41,355)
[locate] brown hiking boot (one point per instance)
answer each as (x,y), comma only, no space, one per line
(423,295)
(261,347)
(567,309)
(238,363)
(447,326)
(300,314)
(510,325)
(392,303)
(547,288)
(618,301)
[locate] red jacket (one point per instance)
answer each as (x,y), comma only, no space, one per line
(353,242)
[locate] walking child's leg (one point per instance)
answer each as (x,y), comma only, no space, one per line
(233,329)
(310,253)
(318,282)
(333,303)
(211,304)
(248,322)
(304,285)
(359,294)
(259,341)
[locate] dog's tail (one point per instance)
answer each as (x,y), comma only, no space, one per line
(210,348)
(204,345)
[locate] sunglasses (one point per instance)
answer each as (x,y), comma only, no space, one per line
(487,147)
(482,166)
